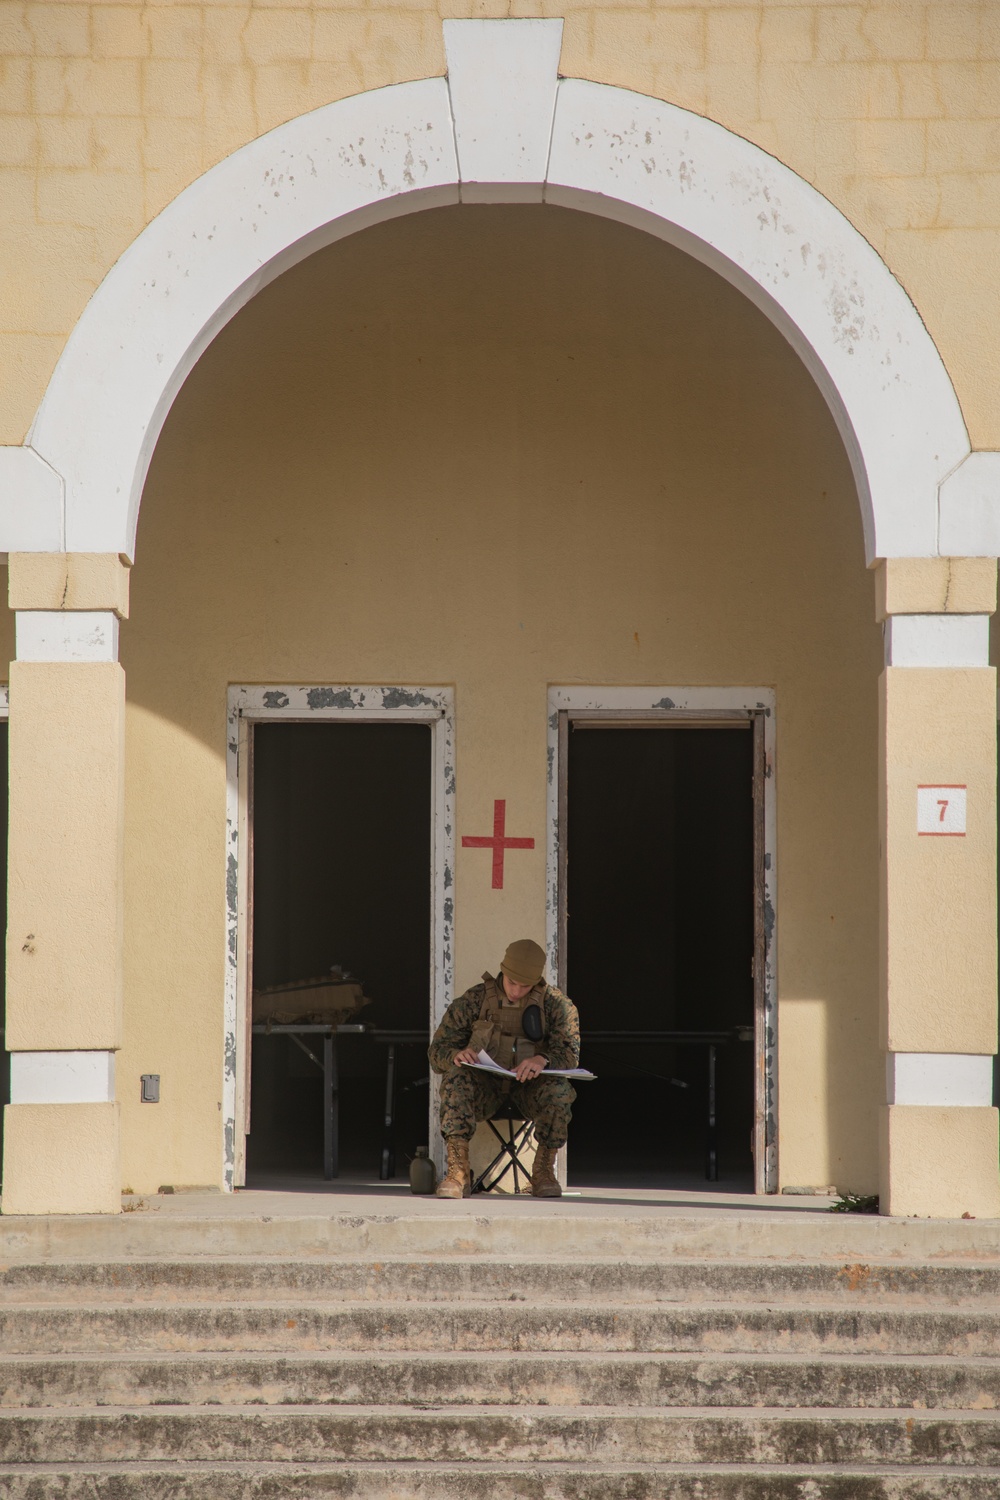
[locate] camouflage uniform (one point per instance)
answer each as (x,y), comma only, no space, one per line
(468,1096)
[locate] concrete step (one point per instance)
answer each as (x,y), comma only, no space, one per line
(584,1380)
(508,1279)
(521,1350)
(465,1481)
(484,1327)
(566,1230)
(500,1434)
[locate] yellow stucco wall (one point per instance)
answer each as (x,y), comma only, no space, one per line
(501,448)
(320,518)
(107,111)
(64,898)
(939,726)
(61,1159)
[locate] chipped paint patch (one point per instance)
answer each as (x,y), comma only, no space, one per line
(326,698)
(406,698)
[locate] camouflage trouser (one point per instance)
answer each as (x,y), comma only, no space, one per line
(468,1096)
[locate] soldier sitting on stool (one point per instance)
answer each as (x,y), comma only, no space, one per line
(525,1025)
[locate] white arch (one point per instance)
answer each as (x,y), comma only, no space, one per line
(501,127)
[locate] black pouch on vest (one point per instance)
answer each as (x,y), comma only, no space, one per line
(532,1024)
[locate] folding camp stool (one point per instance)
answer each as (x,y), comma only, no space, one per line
(519,1139)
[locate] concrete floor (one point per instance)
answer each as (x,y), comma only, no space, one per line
(365,1219)
(305,1197)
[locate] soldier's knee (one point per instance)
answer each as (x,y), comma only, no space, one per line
(555,1092)
(457,1083)
(455,1091)
(547,1101)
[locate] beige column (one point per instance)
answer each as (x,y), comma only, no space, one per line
(939,1131)
(64,899)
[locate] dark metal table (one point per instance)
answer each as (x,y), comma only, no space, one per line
(392,1040)
(713,1040)
(331,1081)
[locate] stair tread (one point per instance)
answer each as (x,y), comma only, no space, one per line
(474,1411)
(588,1258)
(775,1358)
(522,1438)
(901,1302)
(434,1336)
(430,1466)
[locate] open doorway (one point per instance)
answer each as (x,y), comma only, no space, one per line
(337,921)
(663,939)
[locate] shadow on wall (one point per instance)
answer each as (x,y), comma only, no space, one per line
(502,447)
(478,433)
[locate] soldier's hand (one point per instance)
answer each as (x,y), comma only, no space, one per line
(530,1068)
(466,1056)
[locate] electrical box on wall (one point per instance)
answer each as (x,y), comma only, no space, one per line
(150,1088)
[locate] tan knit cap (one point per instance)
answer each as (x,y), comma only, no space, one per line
(524,961)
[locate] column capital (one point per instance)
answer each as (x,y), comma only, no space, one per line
(935,586)
(77,581)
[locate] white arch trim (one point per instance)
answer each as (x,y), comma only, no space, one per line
(501,127)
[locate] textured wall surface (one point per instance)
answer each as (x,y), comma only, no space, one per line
(892,110)
(501,448)
(501,456)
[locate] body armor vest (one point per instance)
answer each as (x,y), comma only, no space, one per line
(500,1028)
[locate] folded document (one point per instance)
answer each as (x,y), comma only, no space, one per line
(487,1065)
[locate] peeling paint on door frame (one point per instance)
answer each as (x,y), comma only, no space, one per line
(687,705)
(307,704)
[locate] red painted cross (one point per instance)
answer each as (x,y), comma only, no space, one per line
(498,843)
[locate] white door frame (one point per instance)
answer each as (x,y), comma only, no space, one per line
(684,704)
(434,706)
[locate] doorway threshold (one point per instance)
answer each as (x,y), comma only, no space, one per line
(290,1196)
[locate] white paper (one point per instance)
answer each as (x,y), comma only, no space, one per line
(487,1065)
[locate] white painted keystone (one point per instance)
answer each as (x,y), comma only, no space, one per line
(391,151)
(502,80)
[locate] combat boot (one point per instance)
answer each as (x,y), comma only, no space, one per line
(544,1183)
(456,1183)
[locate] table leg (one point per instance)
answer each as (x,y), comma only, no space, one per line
(712,1159)
(387,1168)
(331,1109)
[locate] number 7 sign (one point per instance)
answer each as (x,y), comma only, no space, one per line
(941,811)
